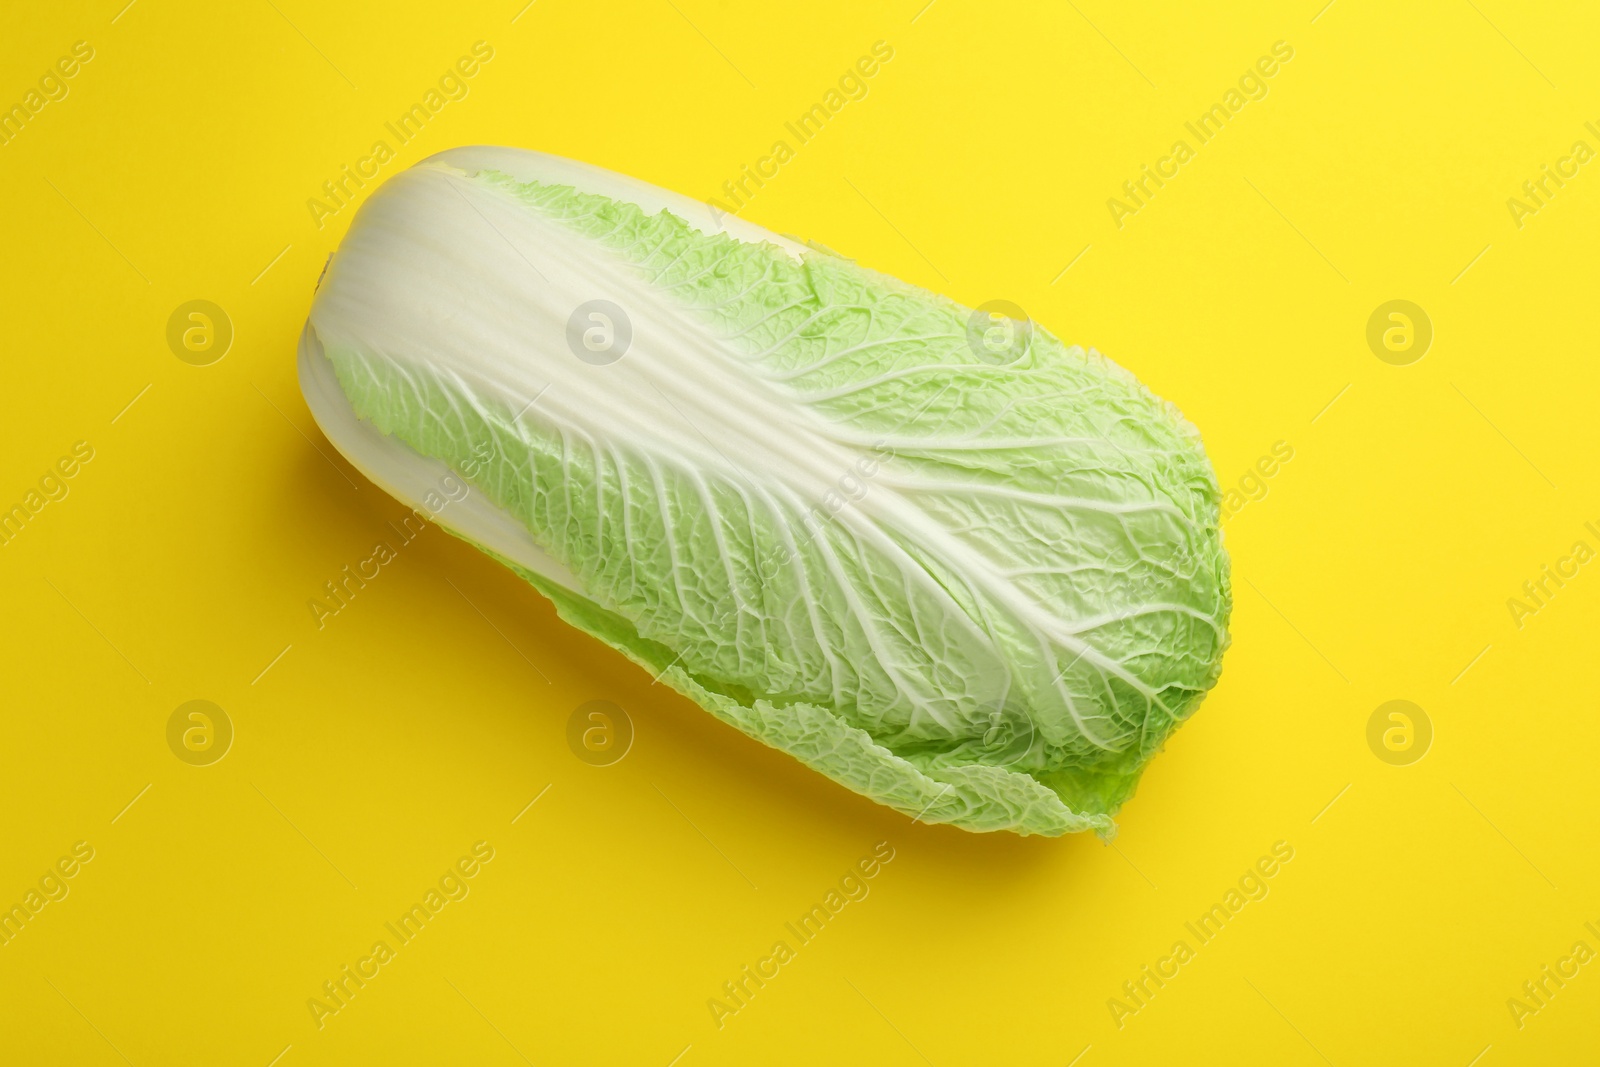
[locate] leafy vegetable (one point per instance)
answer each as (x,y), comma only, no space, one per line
(937,555)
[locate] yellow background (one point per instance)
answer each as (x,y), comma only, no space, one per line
(374,752)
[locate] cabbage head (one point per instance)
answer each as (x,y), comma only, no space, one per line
(938,555)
